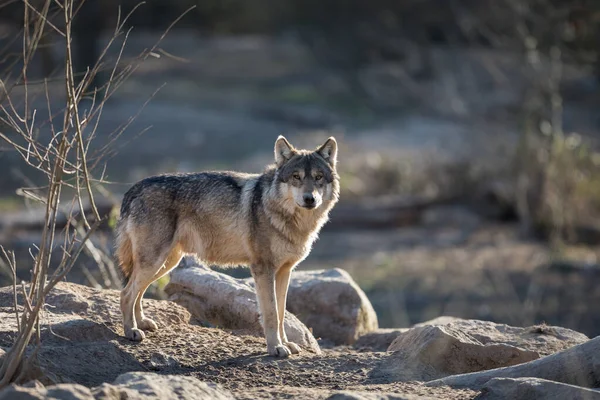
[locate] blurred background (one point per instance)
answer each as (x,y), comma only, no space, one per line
(468,131)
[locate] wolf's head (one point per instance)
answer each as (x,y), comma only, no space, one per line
(307,177)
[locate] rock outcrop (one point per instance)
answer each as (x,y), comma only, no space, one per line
(327,302)
(542,339)
(577,366)
(429,352)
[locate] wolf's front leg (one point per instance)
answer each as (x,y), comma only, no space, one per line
(264,277)
(282,282)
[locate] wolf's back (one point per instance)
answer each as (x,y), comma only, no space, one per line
(161,198)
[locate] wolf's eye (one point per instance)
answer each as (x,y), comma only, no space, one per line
(318,177)
(296,175)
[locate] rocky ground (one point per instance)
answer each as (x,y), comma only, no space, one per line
(82,344)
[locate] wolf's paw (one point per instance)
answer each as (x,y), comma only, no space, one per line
(135,334)
(279,351)
(147,324)
(294,348)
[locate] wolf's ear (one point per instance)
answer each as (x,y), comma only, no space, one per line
(283,150)
(329,151)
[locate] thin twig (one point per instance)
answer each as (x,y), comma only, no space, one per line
(12,263)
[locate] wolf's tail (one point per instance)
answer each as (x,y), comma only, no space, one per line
(124,250)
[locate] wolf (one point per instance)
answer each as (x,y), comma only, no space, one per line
(266,221)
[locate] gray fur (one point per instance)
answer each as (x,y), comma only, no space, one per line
(267,221)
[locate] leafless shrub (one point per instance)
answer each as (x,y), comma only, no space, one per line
(64,158)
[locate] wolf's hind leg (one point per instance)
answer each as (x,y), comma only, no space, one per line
(282,282)
(148,258)
(170,263)
(128,298)
(131,300)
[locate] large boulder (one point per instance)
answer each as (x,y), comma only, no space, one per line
(542,339)
(219,300)
(577,365)
(429,352)
(331,304)
(534,389)
(380,339)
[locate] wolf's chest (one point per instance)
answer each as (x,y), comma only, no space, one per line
(286,252)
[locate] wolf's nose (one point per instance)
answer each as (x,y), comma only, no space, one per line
(309,200)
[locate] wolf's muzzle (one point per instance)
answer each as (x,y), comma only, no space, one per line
(309,200)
